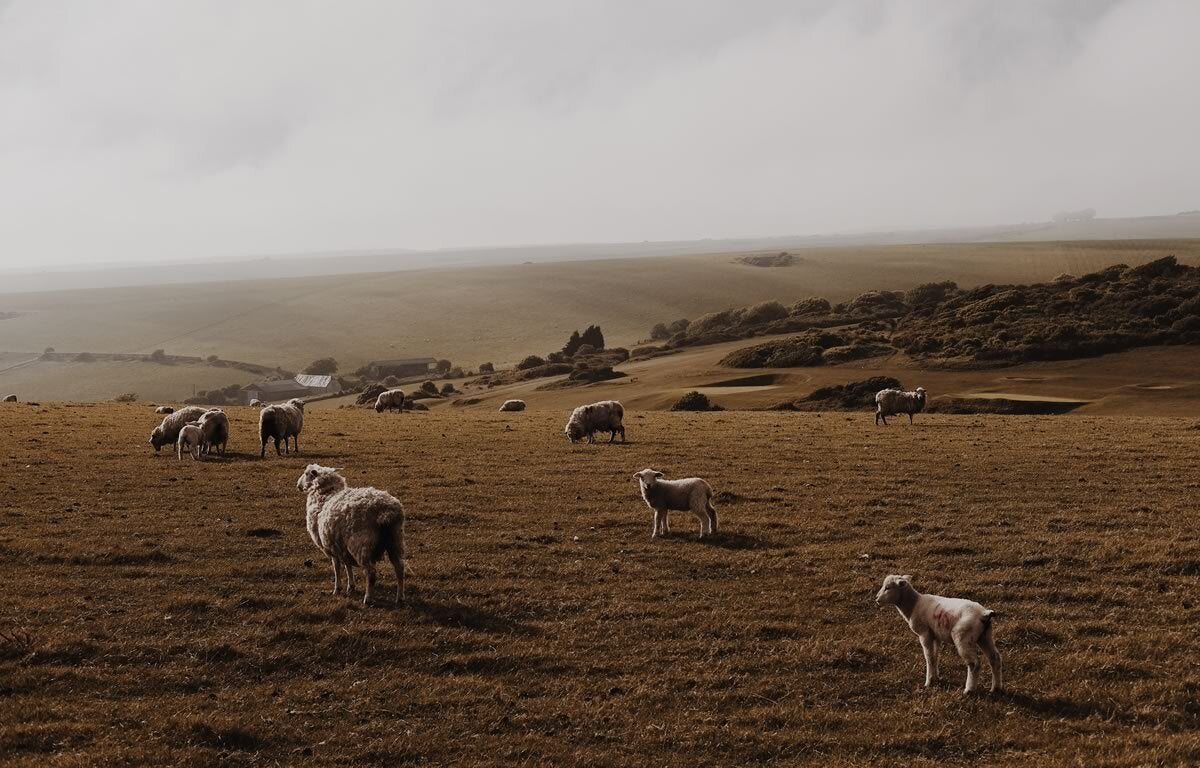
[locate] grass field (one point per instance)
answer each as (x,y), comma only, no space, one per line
(164,612)
(501,314)
(104,380)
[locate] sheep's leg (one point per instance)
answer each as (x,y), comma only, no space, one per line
(398,567)
(702,518)
(296,440)
(969,652)
(712,516)
(369,567)
(910,419)
(929,645)
(657,530)
(337,574)
(350,585)
(277,451)
(993,657)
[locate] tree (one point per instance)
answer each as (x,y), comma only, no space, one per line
(573,344)
(487,368)
(48,351)
(429,388)
(443,366)
(659,332)
(594,337)
(326,366)
(533,361)
(158,355)
(448,389)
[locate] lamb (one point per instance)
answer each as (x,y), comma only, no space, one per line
(691,494)
(256,403)
(390,400)
(164,409)
(937,620)
(167,432)
(353,527)
(10,398)
(604,416)
(280,422)
(214,426)
(890,402)
(512,405)
(191,439)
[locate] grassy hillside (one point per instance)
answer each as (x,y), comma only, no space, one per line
(499,314)
(42,380)
(176,613)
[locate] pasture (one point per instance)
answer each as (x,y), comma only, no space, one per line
(167,612)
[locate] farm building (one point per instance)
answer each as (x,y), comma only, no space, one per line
(416,366)
(303,385)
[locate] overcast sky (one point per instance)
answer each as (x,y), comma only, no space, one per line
(160,130)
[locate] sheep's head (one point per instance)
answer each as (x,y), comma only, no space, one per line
(921,393)
(316,477)
(157,439)
(297,402)
(893,587)
(648,476)
(379,405)
(574,431)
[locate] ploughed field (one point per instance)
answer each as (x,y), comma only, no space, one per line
(175,612)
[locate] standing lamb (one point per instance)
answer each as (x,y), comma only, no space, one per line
(10,398)
(191,439)
(164,409)
(353,527)
(214,426)
(256,403)
(691,494)
(167,432)
(512,405)
(890,402)
(937,620)
(281,422)
(604,416)
(390,400)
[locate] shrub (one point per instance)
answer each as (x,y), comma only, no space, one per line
(85,357)
(487,368)
(930,293)
(391,381)
(326,366)
(370,394)
(814,305)
(429,388)
(679,326)
(128,397)
(48,351)
(442,366)
(448,389)
(763,312)
(533,361)
(660,332)
(695,401)
(212,358)
(158,355)
(585,350)
(455,373)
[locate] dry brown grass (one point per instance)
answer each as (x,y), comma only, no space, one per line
(164,612)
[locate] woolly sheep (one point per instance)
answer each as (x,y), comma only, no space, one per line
(256,403)
(938,620)
(214,426)
(167,432)
(390,400)
(587,420)
(191,439)
(513,405)
(281,422)
(10,398)
(353,527)
(164,409)
(890,402)
(691,494)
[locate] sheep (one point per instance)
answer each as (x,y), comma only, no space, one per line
(191,439)
(604,416)
(691,494)
(390,400)
(937,620)
(353,527)
(512,405)
(164,409)
(280,422)
(890,402)
(256,403)
(10,398)
(167,432)
(214,425)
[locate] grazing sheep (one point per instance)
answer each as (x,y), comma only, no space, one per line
(280,422)
(890,402)
(691,494)
(604,416)
(513,405)
(10,398)
(937,620)
(167,432)
(164,409)
(390,400)
(215,427)
(353,527)
(191,439)
(256,403)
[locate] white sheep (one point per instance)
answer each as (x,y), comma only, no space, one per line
(256,403)
(390,400)
(191,439)
(353,527)
(604,416)
(164,409)
(281,422)
(10,398)
(214,425)
(167,432)
(937,620)
(691,494)
(890,402)
(512,405)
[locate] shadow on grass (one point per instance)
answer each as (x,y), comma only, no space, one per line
(1054,706)
(735,541)
(459,615)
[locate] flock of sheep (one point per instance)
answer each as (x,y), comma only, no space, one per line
(357,527)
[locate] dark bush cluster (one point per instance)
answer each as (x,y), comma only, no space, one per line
(695,401)
(843,397)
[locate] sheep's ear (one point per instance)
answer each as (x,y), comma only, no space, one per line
(659,475)
(905,579)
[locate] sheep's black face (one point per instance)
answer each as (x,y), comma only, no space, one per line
(156,439)
(574,433)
